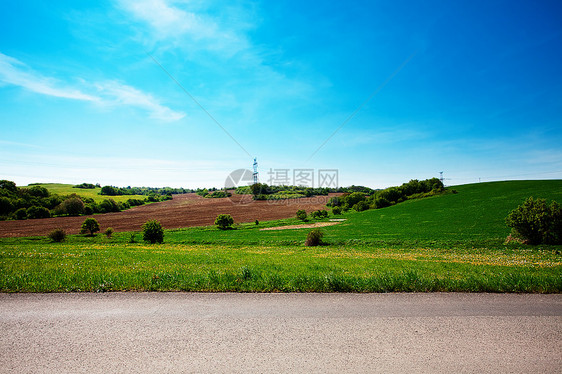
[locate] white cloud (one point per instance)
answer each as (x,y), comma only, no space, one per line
(109,93)
(115,93)
(187,28)
(14,72)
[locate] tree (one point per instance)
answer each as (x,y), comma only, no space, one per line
(361,206)
(91,225)
(224,221)
(38,191)
(8,185)
(153,232)
(301,214)
(6,206)
(536,222)
(109,205)
(38,212)
(109,190)
(72,206)
(259,189)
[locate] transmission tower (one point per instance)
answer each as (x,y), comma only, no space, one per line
(441,178)
(255,170)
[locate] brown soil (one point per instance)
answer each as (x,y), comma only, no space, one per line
(303,226)
(185,210)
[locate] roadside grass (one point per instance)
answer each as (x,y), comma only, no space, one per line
(452,242)
(97,266)
(67,189)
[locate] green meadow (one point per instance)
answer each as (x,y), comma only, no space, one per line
(452,242)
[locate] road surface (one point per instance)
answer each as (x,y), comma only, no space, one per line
(287,333)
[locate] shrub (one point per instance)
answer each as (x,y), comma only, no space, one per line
(85,186)
(381,202)
(108,232)
(319,214)
(153,198)
(21,213)
(301,214)
(6,206)
(314,238)
(224,221)
(361,206)
(153,232)
(354,198)
(72,206)
(109,205)
(109,190)
(38,191)
(135,202)
(334,201)
(91,225)
(336,210)
(536,222)
(57,235)
(133,238)
(38,212)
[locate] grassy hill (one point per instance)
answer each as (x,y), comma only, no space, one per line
(474,215)
(67,189)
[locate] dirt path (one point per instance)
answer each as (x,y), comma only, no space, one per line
(185,210)
(303,226)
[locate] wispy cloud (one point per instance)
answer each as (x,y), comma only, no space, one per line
(15,72)
(171,23)
(107,93)
(115,93)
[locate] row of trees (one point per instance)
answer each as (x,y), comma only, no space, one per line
(414,189)
(119,191)
(37,202)
(262,191)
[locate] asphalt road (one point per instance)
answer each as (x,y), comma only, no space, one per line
(287,333)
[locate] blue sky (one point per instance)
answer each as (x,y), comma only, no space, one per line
(470,88)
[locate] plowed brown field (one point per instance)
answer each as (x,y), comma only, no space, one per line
(185,210)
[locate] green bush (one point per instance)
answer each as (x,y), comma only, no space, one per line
(132,238)
(6,206)
(381,202)
(153,198)
(336,210)
(319,214)
(20,214)
(72,206)
(38,212)
(57,235)
(361,206)
(314,238)
(536,222)
(135,202)
(88,210)
(108,232)
(224,221)
(109,205)
(90,225)
(38,191)
(301,214)
(153,232)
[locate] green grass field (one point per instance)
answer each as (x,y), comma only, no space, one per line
(452,242)
(67,189)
